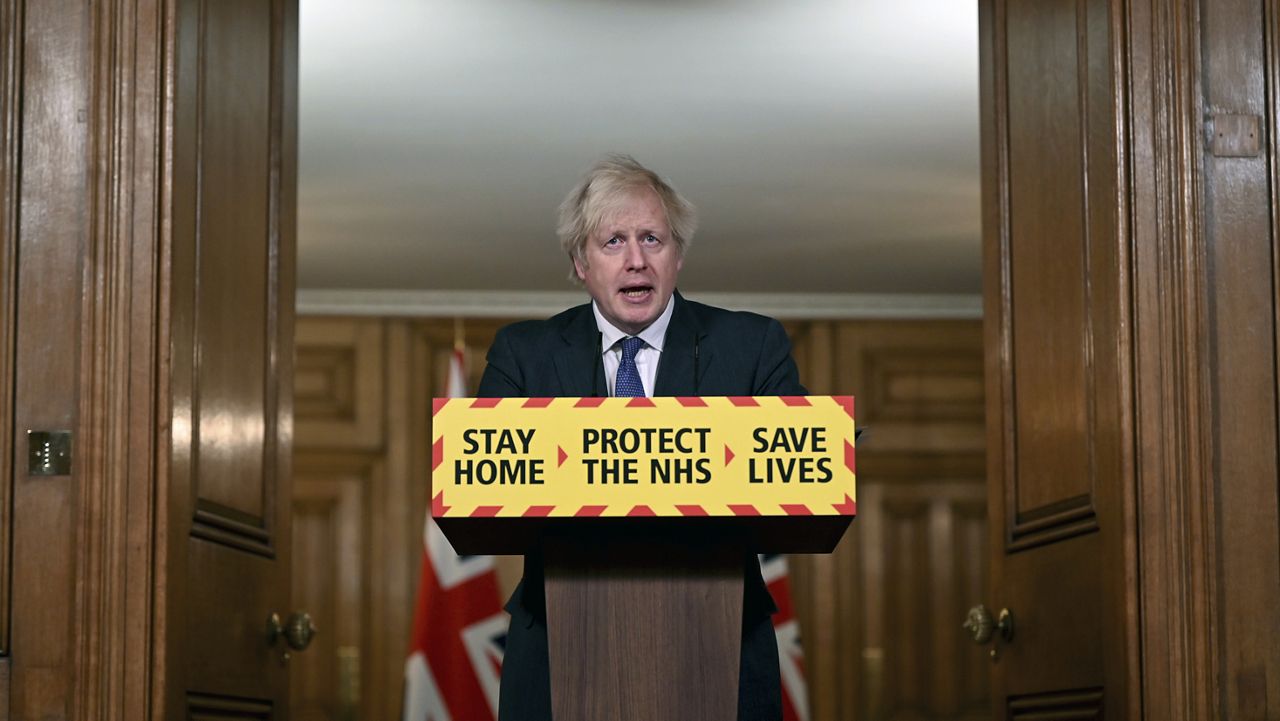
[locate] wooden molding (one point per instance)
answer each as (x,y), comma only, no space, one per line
(1271,10)
(1173,411)
(541,304)
(11,23)
(118,578)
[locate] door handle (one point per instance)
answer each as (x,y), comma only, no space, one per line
(983,628)
(298,632)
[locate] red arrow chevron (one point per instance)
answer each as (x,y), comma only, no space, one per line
(848,508)
(437,505)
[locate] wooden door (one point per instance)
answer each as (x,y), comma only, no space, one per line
(1060,468)
(231,346)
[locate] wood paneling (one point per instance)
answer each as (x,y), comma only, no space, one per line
(363,395)
(1241,274)
(52,223)
(919,389)
(331,527)
(923,548)
(919,384)
(338,385)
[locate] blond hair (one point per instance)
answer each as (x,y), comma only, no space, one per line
(605,186)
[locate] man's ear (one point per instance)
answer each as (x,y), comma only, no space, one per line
(580,268)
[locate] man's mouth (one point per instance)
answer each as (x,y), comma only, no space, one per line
(636,292)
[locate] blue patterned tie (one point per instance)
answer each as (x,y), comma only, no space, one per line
(627,384)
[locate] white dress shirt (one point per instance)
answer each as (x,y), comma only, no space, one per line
(648,356)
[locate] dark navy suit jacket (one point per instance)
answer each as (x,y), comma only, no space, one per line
(708,351)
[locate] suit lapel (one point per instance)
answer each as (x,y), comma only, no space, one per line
(676,367)
(580,362)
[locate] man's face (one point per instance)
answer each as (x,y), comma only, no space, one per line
(632,262)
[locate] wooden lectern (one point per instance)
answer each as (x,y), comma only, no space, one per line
(644,615)
(644,611)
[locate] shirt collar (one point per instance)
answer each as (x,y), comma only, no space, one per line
(653,335)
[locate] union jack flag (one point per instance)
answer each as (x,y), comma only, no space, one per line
(795,695)
(459,627)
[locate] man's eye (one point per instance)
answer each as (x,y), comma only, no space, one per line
(612,241)
(651,239)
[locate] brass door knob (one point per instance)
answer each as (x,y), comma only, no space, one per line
(298,632)
(983,627)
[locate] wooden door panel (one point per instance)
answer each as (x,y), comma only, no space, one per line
(1056,313)
(230,594)
(228,263)
(232,261)
(1056,597)
(232,345)
(1047,249)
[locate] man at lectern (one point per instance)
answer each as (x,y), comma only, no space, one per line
(626,233)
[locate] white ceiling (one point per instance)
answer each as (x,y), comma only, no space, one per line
(830,146)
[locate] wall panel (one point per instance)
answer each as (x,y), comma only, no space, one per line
(1241,268)
(47,227)
(919,390)
(331,530)
(338,384)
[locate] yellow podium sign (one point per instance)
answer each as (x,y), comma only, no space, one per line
(665,457)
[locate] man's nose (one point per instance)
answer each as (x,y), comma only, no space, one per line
(635,256)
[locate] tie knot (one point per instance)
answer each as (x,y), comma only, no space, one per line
(631,346)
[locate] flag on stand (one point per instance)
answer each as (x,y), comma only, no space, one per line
(795,695)
(459,627)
